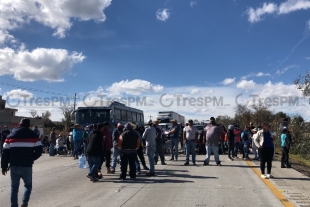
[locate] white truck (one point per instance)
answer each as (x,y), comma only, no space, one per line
(167,116)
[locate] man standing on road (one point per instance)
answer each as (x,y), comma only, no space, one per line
(77,134)
(128,143)
(150,135)
(116,152)
(52,142)
(211,139)
(159,143)
(190,135)
(21,148)
(174,139)
(4,134)
(36,130)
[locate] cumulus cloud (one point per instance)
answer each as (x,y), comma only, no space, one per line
(134,87)
(228,81)
(245,84)
(279,72)
(18,94)
(6,38)
(39,64)
(256,15)
(195,91)
(162,14)
(193,3)
(51,13)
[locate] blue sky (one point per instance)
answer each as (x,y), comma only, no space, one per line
(148,48)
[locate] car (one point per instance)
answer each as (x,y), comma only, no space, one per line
(166,128)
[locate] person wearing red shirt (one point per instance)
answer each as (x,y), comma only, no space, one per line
(237,133)
(107,143)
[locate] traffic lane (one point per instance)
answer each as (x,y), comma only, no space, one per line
(175,184)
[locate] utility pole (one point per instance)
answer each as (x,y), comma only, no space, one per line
(74,100)
(150,117)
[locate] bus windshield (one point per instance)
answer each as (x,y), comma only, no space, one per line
(90,116)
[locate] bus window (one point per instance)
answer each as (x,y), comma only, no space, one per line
(129,118)
(123,115)
(117,114)
(134,116)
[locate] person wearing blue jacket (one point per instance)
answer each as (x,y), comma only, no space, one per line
(77,135)
(21,148)
(246,140)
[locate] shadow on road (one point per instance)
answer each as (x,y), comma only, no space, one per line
(279,178)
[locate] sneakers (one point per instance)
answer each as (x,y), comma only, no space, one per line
(145,168)
(163,163)
(150,174)
(194,163)
(92,178)
(171,159)
(263,176)
(98,176)
(205,164)
(269,176)
(24,205)
(186,163)
(230,159)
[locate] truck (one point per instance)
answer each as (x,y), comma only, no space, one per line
(167,116)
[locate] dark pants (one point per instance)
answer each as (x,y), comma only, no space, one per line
(106,156)
(125,159)
(266,156)
(230,150)
(141,156)
(285,157)
(159,151)
(72,147)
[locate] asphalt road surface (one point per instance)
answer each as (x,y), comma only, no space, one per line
(57,181)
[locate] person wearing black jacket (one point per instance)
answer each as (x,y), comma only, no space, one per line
(231,141)
(4,134)
(21,148)
(94,152)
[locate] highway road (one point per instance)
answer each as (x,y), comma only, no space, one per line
(57,181)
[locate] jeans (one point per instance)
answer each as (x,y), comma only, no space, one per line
(230,149)
(85,144)
(215,150)
(150,151)
(107,157)
(1,147)
(77,145)
(285,157)
(52,148)
(246,151)
(125,159)
(24,173)
(236,147)
(93,163)
(59,149)
(190,148)
(174,143)
(254,150)
(141,156)
(266,156)
(159,152)
(116,153)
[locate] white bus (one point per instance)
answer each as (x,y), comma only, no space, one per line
(112,112)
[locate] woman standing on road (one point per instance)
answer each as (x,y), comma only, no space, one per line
(264,142)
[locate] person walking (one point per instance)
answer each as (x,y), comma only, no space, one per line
(94,151)
(128,143)
(211,140)
(174,140)
(237,144)
(116,152)
(284,146)
(246,140)
(52,142)
(254,147)
(139,152)
(149,136)
(190,136)
(264,142)
(107,143)
(288,139)
(159,143)
(21,148)
(230,141)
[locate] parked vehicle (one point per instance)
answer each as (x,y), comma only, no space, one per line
(167,116)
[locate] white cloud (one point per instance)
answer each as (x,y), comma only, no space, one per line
(245,84)
(195,91)
(308,58)
(279,72)
(134,87)
(18,94)
(255,15)
(39,64)
(228,81)
(260,74)
(193,3)
(6,38)
(162,14)
(51,13)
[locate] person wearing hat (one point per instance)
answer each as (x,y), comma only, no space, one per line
(254,147)
(4,134)
(159,144)
(21,148)
(77,134)
(174,140)
(116,152)
(190,135)
(149,136)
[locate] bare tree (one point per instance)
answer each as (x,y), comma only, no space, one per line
(33,113)
(66,112)
(46,116)
(242,115)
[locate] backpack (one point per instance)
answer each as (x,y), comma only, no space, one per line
(245,136)
(158,134)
